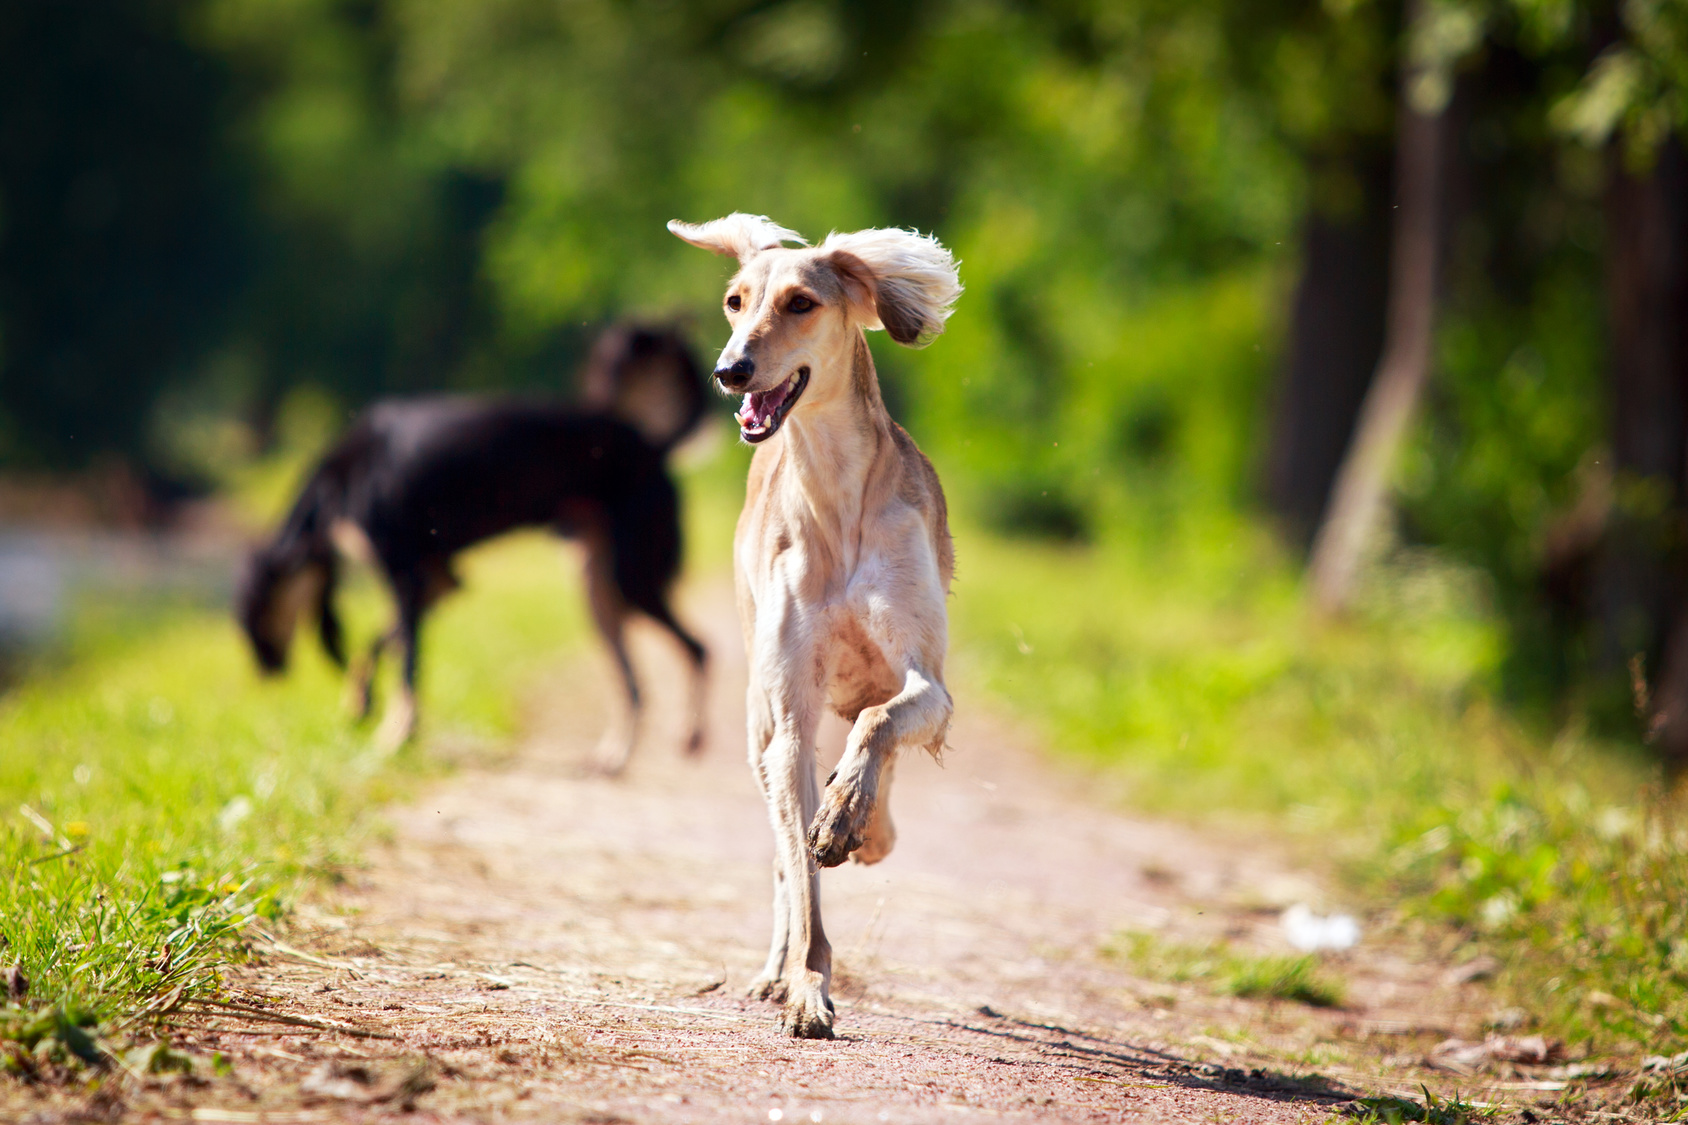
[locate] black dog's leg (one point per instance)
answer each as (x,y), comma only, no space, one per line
(399,723)
(659,612)
(609,614)
(360,685)
(328,619)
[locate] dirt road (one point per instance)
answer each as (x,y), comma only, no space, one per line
(544,945)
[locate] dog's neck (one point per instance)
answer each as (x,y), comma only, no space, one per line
(832,447)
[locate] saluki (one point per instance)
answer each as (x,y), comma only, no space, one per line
(415,481)
(842,557)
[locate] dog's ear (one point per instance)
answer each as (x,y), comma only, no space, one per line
(910,277)
(740,235)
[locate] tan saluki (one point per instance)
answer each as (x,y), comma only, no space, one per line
(842,558)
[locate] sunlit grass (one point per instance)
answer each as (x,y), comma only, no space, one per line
(1231,971)
(155,793)
(1185,664)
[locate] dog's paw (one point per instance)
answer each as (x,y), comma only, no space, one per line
(840,824)
(398,725)
(768,988)
(611,755)
(808,1010)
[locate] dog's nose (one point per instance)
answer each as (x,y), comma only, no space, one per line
(737,375)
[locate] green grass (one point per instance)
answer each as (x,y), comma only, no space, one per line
(1433,1110)
(155,794)
(1182,661)
(1228,970)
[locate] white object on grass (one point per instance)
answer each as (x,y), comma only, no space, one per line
(1310,932)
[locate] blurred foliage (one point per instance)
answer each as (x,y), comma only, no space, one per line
(425,193)
(206,205)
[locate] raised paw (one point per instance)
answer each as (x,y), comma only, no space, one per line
(808,1010)
(839,825)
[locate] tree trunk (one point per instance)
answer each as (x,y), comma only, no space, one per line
(1638,594)
(1336,335)
(1361,487)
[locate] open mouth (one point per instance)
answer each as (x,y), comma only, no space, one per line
(762,412)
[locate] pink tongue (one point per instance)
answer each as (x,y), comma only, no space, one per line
(759,408)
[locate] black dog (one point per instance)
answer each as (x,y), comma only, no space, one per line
(413,482)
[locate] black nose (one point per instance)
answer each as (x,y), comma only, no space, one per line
(737,375)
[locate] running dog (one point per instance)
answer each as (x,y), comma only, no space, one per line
(415,481)
(842,556)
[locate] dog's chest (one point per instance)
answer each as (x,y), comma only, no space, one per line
(852,668)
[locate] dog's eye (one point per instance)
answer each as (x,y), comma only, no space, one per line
(733,302)
(801,304)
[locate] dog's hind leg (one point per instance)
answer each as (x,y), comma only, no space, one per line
(917,716)
(770,983)
(609,614)
(698,656)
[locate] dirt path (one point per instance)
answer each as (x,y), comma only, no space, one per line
(546,946)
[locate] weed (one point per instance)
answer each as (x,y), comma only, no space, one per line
(1433,1110)
(1230,971)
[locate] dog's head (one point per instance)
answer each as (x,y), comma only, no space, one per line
(646,376)
(796,311)
(271,595)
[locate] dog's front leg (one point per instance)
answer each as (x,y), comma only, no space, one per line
(785,768)
(793,799)
(360,683)
(918,715)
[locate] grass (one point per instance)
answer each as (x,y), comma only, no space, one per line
(1183,662)
(1229,971)
(156,795)
(1433,1110)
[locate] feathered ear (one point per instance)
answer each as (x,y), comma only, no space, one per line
(741,235)
(911,276)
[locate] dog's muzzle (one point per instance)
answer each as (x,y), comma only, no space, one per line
(761,413)
(736,376)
